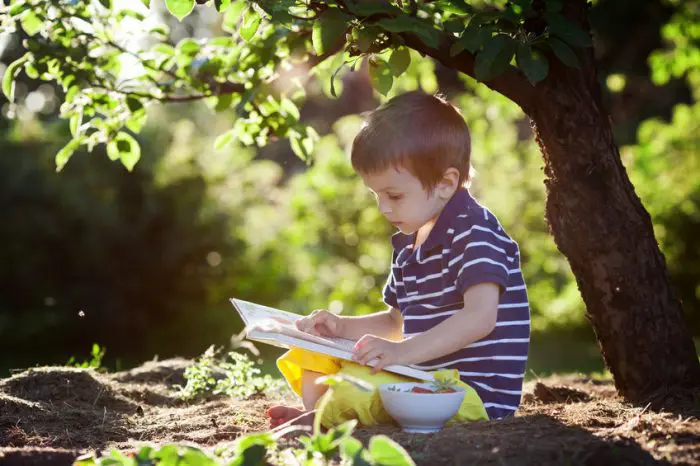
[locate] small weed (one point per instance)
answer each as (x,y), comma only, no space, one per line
(235,375)
(96,362)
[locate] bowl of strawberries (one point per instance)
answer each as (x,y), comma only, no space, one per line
(421,407)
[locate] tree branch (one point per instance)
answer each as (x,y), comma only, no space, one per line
(511,83)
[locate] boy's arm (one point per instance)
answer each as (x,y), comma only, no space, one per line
(476,320)
(387,324)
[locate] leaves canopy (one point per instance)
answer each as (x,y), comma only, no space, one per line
(113,61)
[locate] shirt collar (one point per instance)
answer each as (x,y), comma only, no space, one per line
(459,204)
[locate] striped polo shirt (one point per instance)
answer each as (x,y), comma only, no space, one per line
(466,246)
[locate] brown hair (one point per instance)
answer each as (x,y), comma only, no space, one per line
(420,132)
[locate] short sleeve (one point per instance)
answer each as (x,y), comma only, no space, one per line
(389,293)
(390,298)
(482,257)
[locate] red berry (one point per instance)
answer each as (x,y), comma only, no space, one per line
(421,390)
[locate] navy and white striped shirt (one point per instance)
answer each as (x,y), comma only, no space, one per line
(466,246)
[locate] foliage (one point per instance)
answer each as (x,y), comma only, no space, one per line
(235,375)
(77,44)
(319,448)
(96,361)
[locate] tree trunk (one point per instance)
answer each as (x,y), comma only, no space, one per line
(601,226)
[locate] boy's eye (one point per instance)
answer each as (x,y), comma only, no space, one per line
(394,197)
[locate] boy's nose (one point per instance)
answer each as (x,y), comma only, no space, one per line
(384,208)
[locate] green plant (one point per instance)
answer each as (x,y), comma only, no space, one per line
(96,362)
(235,375)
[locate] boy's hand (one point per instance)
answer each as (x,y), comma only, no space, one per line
(320,323)
(370,347)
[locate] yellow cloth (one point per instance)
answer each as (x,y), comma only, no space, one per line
(350,402)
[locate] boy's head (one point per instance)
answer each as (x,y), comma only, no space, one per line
(413,152)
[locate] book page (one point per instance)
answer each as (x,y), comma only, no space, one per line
(274,321)
(277,326)
(251,312)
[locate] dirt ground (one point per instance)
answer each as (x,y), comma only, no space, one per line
(49,416)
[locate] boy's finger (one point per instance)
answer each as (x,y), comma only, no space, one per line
(370,355)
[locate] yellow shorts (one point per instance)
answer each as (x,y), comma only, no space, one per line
(346,401)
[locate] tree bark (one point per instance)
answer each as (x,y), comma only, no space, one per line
(600,225)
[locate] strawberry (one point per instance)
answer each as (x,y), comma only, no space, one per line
(421,390)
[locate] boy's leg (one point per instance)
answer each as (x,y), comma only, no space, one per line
(301,368)
(310,393)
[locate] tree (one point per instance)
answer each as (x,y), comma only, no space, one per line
(536,53)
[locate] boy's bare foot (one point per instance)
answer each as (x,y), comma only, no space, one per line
(286,415)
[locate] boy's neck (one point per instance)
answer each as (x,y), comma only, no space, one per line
(423,232)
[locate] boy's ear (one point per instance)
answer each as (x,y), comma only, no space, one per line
(449,183)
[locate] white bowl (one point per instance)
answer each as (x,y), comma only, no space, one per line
(420,412)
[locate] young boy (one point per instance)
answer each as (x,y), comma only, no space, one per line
(456,294)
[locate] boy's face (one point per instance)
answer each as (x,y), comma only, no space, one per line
(402,199)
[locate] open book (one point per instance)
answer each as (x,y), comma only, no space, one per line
(277,327)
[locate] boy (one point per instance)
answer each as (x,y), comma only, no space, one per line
(456,294)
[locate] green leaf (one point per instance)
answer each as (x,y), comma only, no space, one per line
(289,108)
(380,73)
(107,4)
(386,452)
(125,148)
(564,53)
(263,439)
(303,144)
(131,14)
(224,140)
(161,30)
(31,23)
(189,47)
(399,60)
(19,7)
(180,8)
(364,37)
(494,59)
(133,104)
(8,79)
(352,448)
(250,24)
(75,121)
(65,154)
(456,7)
(165,49)
(405,23)
(328,30)
(335,73)
(136,121)
(146,3)
(31,70)
(532,62)
(221,5)
(223,102)
(569,32)
(471,38)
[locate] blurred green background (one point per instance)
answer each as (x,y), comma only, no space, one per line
(143,263)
